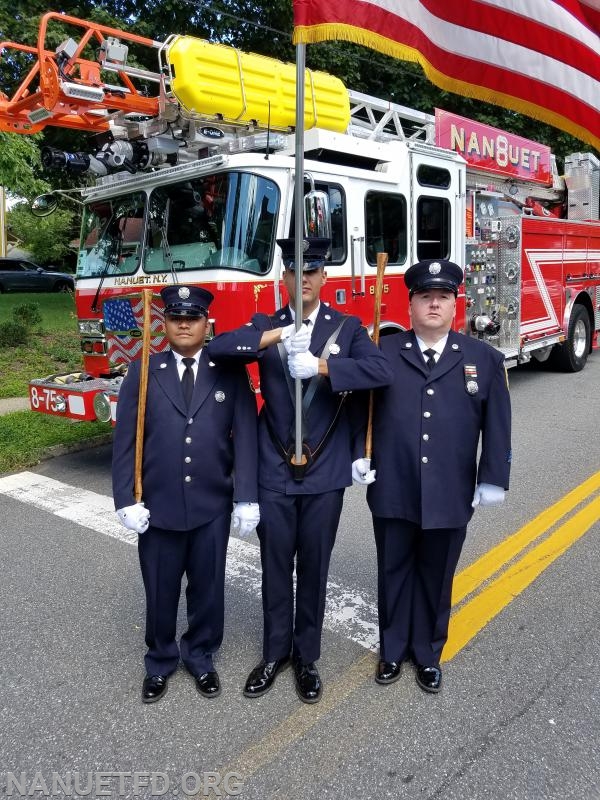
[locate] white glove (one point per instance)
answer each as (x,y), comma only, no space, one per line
(246,517)
(303,365)
(135,517)
(295,341)
(487,495)
(362,472)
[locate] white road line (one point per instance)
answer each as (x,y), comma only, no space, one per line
(348,612)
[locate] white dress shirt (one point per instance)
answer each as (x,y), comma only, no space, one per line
(181,366)
(438,347)
(312,317)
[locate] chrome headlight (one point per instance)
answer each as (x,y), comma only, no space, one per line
(91,327)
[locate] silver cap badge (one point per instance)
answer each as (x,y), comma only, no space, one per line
(183,292)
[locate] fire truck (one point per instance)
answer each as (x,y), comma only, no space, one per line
(190,179)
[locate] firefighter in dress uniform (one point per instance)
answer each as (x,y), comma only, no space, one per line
(334,355)
(199,458)
(449,392)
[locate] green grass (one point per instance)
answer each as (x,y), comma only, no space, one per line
(54,346)
(25,437)
(58,310)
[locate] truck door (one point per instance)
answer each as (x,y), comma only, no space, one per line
(437,207)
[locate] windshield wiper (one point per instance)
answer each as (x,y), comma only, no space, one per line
(113,258)
(166,247)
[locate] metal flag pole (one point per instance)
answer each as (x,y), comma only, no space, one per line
(299,457)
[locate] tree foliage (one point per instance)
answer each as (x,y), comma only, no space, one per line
(20,165)
(47,239)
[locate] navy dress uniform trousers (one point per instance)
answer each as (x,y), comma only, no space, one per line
(303,525)
(415,570)
(165,556)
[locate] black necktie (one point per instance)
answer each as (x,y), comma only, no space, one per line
(306,322)
(187,380)
(430,360)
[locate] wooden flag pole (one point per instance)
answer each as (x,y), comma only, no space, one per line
(143,391)
(382,259)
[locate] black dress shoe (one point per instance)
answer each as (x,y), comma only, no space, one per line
(153,688)
(388,671)
(208,684)
(308,682)
(263,676)
(429,678)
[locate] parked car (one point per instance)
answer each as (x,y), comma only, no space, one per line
(20,275)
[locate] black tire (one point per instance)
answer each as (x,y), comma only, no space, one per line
(61,286)
(572,355)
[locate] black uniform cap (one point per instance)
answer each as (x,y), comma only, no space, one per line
(433,274)
(315,252)
(186,301)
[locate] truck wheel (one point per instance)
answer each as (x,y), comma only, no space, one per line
(572,355)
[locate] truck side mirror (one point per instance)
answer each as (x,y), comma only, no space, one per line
(317,216)
(44,205)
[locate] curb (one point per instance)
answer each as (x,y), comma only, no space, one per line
(57,450)
(64,449)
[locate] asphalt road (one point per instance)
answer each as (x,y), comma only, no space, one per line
(518,715)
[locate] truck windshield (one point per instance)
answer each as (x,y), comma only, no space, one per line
(111,235)
(222,220)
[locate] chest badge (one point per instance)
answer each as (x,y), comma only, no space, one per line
(471,384)
(334,349)
(219,396)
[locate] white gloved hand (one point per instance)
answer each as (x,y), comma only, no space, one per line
(486,494)
(303,365)
(135,517)
(295,341)
(246,517)
(362,472)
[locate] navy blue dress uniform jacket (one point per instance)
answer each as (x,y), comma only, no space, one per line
(355,364)
(218,435)
(426,430)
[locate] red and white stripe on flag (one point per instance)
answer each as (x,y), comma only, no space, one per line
(538,57)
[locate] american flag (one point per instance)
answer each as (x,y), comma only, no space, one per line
(123,322)
(119,318)
(538,57)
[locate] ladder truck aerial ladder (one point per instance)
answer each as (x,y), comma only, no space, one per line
(190,178)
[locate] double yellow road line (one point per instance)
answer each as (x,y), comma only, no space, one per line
(493,581)
(503,578)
